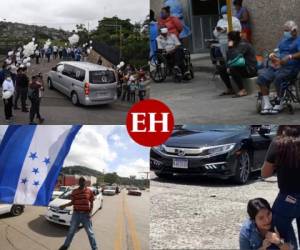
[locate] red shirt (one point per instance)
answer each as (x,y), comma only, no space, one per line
(82,199)
(173,24)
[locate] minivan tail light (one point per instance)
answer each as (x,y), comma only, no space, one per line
(86,88)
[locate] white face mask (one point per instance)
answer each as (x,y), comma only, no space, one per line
(224,16)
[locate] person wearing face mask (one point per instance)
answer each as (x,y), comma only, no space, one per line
(288,57)
(82,202)
(244,54)
(177,11)
(257,232)
(221,30)
(173,23)
(170,43)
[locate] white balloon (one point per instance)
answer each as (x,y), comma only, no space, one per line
(33,39)
(73,39)
(28,64)
(122,64)
(88,51)
(10,53)
(91,42)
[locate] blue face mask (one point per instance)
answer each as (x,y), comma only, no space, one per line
(287,35)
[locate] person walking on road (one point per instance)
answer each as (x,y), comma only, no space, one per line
(22,82)
(7,95)
(284,158)
(82,202)
(34,97)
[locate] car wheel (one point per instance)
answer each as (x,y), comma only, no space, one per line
(74,98)
(16,210)
(164,175)
(50,84)
(243,168)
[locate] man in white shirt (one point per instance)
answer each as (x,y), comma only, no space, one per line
(8,91)
(171,44)
(221,30)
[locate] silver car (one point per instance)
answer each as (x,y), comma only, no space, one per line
(85,83)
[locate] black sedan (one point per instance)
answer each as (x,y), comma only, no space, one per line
(218,151)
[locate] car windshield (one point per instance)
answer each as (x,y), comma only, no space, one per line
(66,195)
(110,188)
(213,127)
(102,77)
(63,189)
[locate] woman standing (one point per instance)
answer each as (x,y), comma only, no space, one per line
(284,158)
(243,15)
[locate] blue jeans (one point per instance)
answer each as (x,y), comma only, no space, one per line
(286,208)
(279,76)
(83,218)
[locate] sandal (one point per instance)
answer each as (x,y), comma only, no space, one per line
(227,93)
(240,94)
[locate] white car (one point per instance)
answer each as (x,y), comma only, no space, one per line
(60,191)
(12,209)
(63,216)
(109,190)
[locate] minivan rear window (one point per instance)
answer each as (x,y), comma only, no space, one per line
(102,76)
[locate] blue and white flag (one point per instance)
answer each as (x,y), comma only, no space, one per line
(31,158)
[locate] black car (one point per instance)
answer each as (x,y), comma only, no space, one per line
(221,151)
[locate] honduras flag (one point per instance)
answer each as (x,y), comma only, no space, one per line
(31,158)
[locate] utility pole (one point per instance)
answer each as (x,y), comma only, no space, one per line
(229,14)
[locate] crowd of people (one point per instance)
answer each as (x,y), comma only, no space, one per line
(238,59)
(17,87)
(131,83)
(271,228)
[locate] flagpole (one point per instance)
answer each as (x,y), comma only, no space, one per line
(229,14)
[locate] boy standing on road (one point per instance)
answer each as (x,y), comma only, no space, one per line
(82,201)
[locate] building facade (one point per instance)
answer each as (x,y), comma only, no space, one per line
(267,19)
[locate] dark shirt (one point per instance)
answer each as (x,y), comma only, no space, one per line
(246,49)
(288,176)
(22,81)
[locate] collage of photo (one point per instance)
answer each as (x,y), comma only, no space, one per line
(150,125)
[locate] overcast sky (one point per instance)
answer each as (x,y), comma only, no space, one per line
(67,13)
(108,149)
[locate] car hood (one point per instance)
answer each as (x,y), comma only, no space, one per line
(57,193)
(187,138)
(58,202)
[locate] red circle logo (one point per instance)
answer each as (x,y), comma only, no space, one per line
(150,123)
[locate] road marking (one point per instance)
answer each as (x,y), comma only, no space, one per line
(132,229)
(120,226)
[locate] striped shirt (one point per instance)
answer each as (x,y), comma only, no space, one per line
(82,199)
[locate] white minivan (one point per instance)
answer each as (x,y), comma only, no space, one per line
(85,83)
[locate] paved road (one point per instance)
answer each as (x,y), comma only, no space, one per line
(201,213)
(198,102)
(58,109)
(122,224)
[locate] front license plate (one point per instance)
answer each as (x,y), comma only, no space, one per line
(180,163)
(55,218)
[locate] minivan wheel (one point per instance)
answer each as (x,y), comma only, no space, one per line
(243,168)
(50,85)
(164,175)
(16,210)
(74,99)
